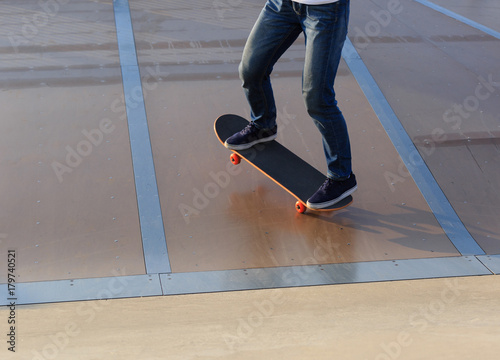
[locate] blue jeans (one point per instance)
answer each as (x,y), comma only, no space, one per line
(325,30)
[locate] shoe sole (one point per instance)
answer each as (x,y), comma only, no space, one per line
(331,202)
(249,145)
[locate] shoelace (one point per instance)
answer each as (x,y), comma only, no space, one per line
(326,184)
(247,129)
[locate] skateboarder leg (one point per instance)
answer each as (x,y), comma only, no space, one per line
(325,29)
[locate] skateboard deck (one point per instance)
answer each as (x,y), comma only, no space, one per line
(278,163)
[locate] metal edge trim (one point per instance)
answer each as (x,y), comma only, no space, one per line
(115,287)
(151,221)
(246,279)
(491,262)
(460,18)
(314,275)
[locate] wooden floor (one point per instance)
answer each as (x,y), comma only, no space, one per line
(450,319)
(80,206)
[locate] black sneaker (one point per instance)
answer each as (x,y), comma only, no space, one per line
(250,136)
(331,192)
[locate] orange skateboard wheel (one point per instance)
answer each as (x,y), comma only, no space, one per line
(235,159)
(300,207)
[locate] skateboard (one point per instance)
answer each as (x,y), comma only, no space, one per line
(278,163)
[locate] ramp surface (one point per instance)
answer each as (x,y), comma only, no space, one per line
(111,170)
